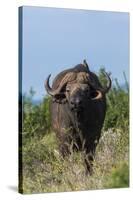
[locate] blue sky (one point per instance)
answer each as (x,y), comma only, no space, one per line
(55,39)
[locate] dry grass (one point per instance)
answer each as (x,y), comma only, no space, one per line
(44,170)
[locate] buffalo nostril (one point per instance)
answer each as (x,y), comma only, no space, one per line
(72,102)
(78,102)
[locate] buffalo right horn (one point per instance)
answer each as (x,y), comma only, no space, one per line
(104,90)
(109,83)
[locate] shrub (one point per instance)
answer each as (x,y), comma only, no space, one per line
(36,118)
(119,177)
(117,115)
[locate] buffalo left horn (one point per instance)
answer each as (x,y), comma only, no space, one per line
(49,89)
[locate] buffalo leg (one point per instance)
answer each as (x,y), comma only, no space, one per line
(89,164)
(89,157)
(64,150)
(64,145)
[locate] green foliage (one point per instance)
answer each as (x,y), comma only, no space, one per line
(119,177)
(117,115)
(36,118)
(44,170)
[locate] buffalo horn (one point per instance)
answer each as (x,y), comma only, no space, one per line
(67,78)
(106,89)
(49,89)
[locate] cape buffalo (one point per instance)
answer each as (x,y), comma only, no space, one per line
(78,109)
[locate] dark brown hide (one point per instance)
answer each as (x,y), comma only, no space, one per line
(77,114)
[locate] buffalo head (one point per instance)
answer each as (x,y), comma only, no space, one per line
(78,87)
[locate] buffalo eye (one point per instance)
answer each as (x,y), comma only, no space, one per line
(87,90)
(67,89)
(93,93)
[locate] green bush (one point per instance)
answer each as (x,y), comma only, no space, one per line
(117,115)
(119,177)
(36,118)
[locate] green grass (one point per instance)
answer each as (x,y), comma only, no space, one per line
(44,170)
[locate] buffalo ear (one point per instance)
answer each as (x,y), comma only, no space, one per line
(59,98)
(59,101)
(95,94)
